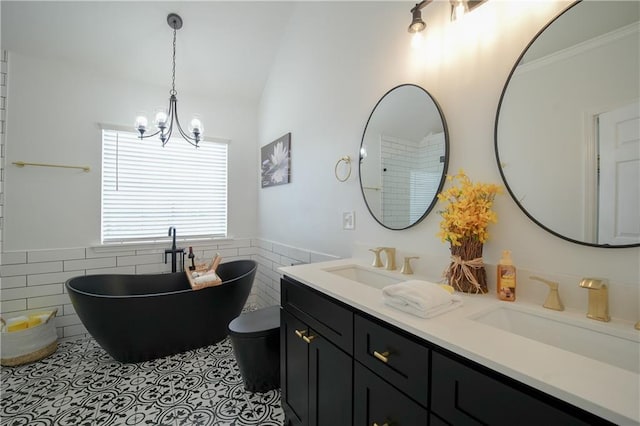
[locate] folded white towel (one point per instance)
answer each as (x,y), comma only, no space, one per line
(422,298)
(207,278)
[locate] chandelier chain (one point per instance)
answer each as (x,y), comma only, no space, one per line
(173,75)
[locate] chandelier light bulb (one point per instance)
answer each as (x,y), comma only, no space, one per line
(161,119)
(141,123)
(195,126)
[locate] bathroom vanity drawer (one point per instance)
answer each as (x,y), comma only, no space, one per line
(325,315)
(396,358)
(462,395)
(376,402)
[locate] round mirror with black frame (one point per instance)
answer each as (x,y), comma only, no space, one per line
(567,131)
(403,157)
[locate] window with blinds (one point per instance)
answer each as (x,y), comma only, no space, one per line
(147,188)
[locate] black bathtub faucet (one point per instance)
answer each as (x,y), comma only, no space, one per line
(172,228)
(174,251)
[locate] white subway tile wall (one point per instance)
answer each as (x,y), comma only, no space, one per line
(270,256)
(34,280)
(410,172)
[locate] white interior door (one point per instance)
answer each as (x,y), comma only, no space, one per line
(619,189)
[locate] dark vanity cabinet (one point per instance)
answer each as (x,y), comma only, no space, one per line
(391,376)
(464,395)
(376,402)
(342,367)
(316,346)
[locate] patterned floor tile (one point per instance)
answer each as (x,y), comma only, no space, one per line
(80,384)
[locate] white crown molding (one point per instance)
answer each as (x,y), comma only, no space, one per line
(580,48)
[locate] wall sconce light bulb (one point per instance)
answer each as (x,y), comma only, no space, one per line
(458,11)
(417,24)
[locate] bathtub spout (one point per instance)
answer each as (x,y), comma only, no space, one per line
(173,245)
(174,252)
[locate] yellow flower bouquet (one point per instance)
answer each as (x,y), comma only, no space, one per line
(465,219)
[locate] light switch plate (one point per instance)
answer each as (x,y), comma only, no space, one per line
(349,221)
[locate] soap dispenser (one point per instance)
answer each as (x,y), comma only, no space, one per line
(506,285)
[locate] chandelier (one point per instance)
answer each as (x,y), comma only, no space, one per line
(164,119)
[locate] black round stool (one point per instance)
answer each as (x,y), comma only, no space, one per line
(255,337)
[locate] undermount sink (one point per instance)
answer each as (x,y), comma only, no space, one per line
(596,341)
(364,276)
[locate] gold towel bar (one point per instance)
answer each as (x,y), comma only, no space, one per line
(22,164)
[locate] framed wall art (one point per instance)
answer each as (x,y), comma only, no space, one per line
(275,162)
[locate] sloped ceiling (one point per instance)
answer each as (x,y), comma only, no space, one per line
(224,49)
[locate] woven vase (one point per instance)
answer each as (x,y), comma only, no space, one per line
(470,254)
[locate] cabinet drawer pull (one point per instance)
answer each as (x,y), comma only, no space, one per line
(383,424)
(384,357)
(301,333)
(309,338)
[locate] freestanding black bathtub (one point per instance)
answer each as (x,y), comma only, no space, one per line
(141,317)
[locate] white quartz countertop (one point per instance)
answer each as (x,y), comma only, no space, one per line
(610,392)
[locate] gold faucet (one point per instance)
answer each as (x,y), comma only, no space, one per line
(598,298)
(553,298)
(406,267)
(390,254)
(637,326)
(376,261)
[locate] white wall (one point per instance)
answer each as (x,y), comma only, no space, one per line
(322,89)
(54,116)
